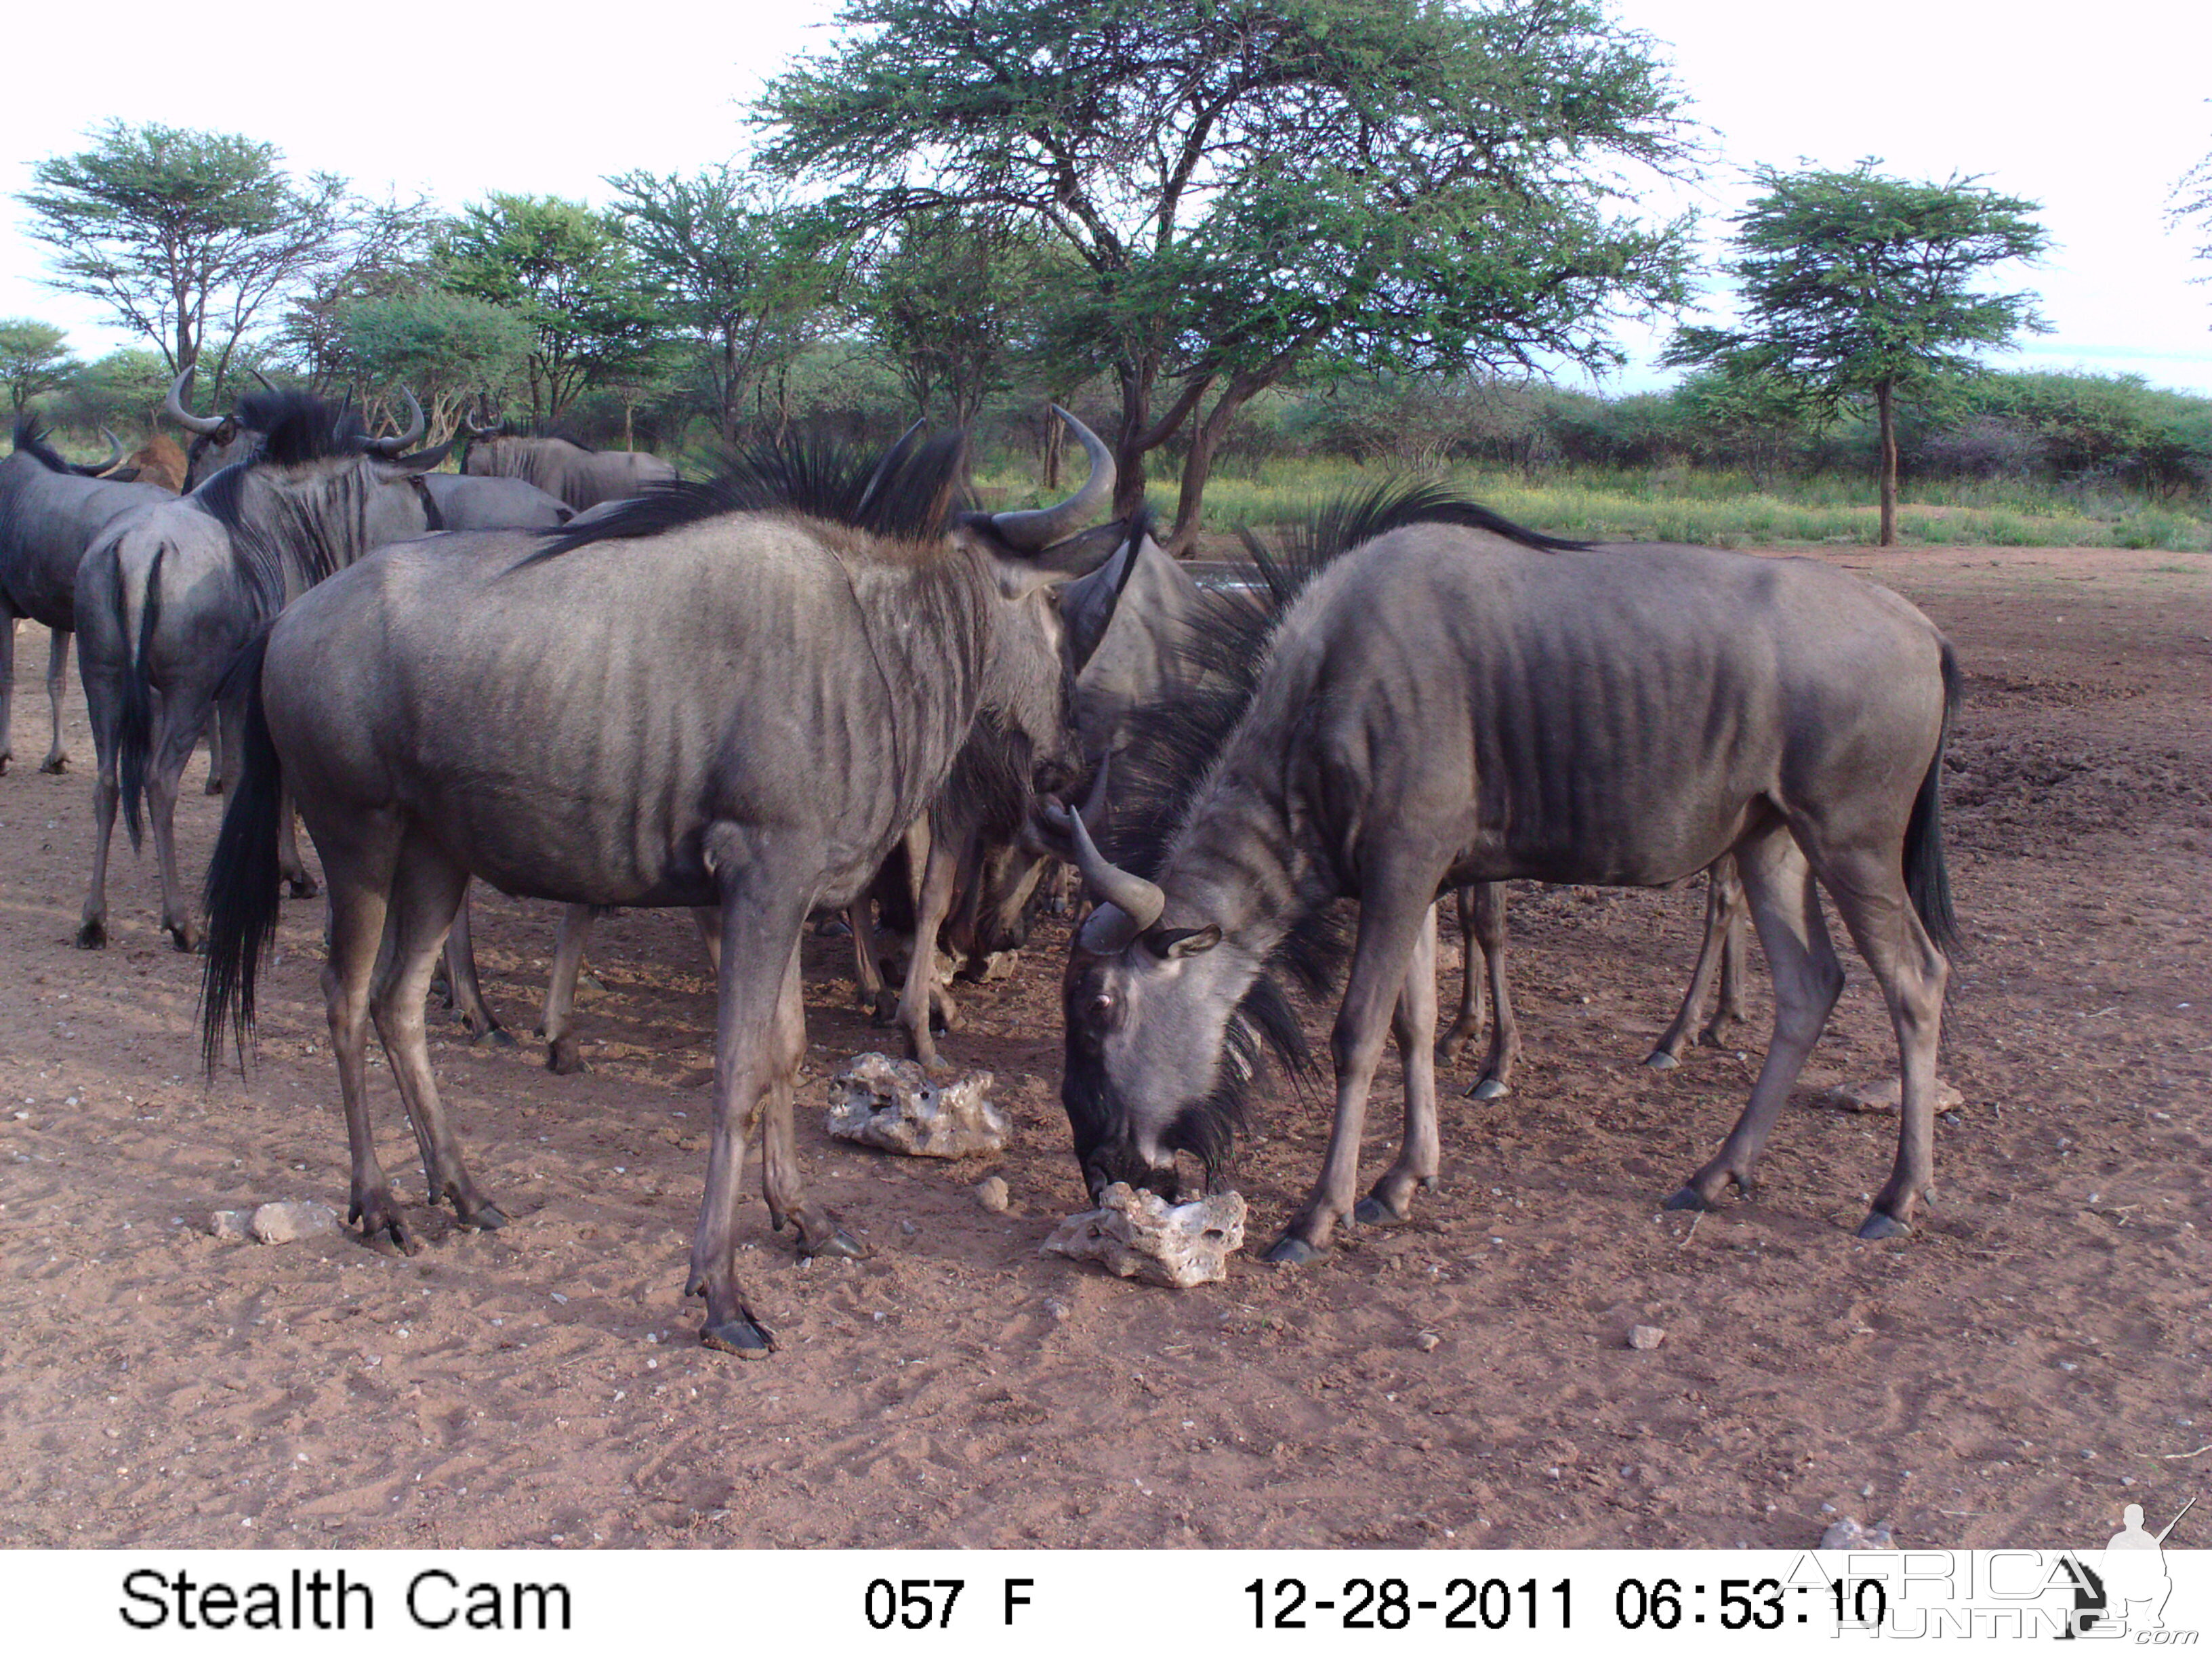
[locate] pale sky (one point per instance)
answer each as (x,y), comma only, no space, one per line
(2092,111)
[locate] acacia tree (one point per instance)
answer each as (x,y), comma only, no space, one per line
(566,271)
(1859,286)
(1250,185)
(2192,198)
(185,234)
(741,268)
(34,358)
(449,349)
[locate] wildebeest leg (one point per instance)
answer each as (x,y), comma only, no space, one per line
(1474,1000)
(559,1027)
(764,906)
(919,998)
(1394,913)
(1733,945)
(867,968)
(176,733)
(57,758)
(7,687)
(1485,912)
(1413,1028)
(781,1180)
(1721,951)
(461,982)
(1806,978)
(708,921)
(104,701)
(360,873)
(224,737)
(1871,897)
(288,853)
(427,889)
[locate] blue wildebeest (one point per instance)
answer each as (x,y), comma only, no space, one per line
(167,599)
(49,511)
(580,476)
(1451,702)
(1138,622)
(739,694)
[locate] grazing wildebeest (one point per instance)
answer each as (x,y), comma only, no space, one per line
(167,599)
(1447,703)
(559,466)
(467,503)
(739,694)
(49,511)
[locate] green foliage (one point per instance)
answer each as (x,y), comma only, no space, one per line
(1254,185)
(740,267)
(121,389)
(35,359)
(447,347)
(2114,426)
(383,252)
(185,234)
(567,273)
(1853,283)
(2192,198)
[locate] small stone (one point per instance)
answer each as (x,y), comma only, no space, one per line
(1427,1341)
(1878,1097)
(232,1224)
(1057,1310)
(990,1193)
(1849,1534)
(1644,1337)
(892,1105)
(1137,1235)
(283,1224)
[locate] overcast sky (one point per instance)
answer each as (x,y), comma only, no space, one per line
(2094,111)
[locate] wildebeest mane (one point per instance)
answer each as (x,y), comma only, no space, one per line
(299,426)
(908,494)
(31,440)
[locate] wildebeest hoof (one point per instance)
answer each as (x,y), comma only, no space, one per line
(54,763)
(1880,1224)
(1372,1212)
(1690,1198)
(487,1217)
(182,938)
(1661,1059)
(92,936)
(499,1037)
(212,787)
(740,1336)
(1291,1251)
(840,1243)
(304,887)
(561,1057)
(832,928)
(1489,1088)
(380,1225)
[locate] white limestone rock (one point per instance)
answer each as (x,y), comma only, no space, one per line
(1878,1098)
(892,1105)
(1135,1234)
(283,1224)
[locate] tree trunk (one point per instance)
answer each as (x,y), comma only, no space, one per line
(1198,463)
(730,418)
(1055,440)
(1885,411)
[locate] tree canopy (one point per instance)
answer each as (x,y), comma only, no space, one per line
(1855,285)
(34,358)
(185,234)
(1250,185)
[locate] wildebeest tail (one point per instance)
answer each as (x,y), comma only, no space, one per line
(242,899)
(1926,877)
(134,736)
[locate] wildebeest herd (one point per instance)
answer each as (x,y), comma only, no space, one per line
(822,682)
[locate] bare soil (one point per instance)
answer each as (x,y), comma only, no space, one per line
(2031,1357)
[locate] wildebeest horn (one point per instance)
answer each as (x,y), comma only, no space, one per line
(1128,904)
(263,379)
(114,456)
(476,431)
(406,439)
(173,407)
(1038,528)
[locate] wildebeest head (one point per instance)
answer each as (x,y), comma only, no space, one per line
(318,492)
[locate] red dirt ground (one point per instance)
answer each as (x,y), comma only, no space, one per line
(2034,1356)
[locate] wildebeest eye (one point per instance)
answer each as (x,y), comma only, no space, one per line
(1101,1006)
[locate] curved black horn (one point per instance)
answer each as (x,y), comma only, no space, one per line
(263,379)
(1128,904)
(1038,528)
(476,431)
(173,407)
(408,439)
(102,469)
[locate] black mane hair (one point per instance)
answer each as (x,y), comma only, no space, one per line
(299,426)
(1170,747)
(31,440)
(908,494)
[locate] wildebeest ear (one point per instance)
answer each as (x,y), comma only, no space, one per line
(1173,943)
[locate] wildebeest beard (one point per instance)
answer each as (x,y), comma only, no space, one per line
(1207,1127)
